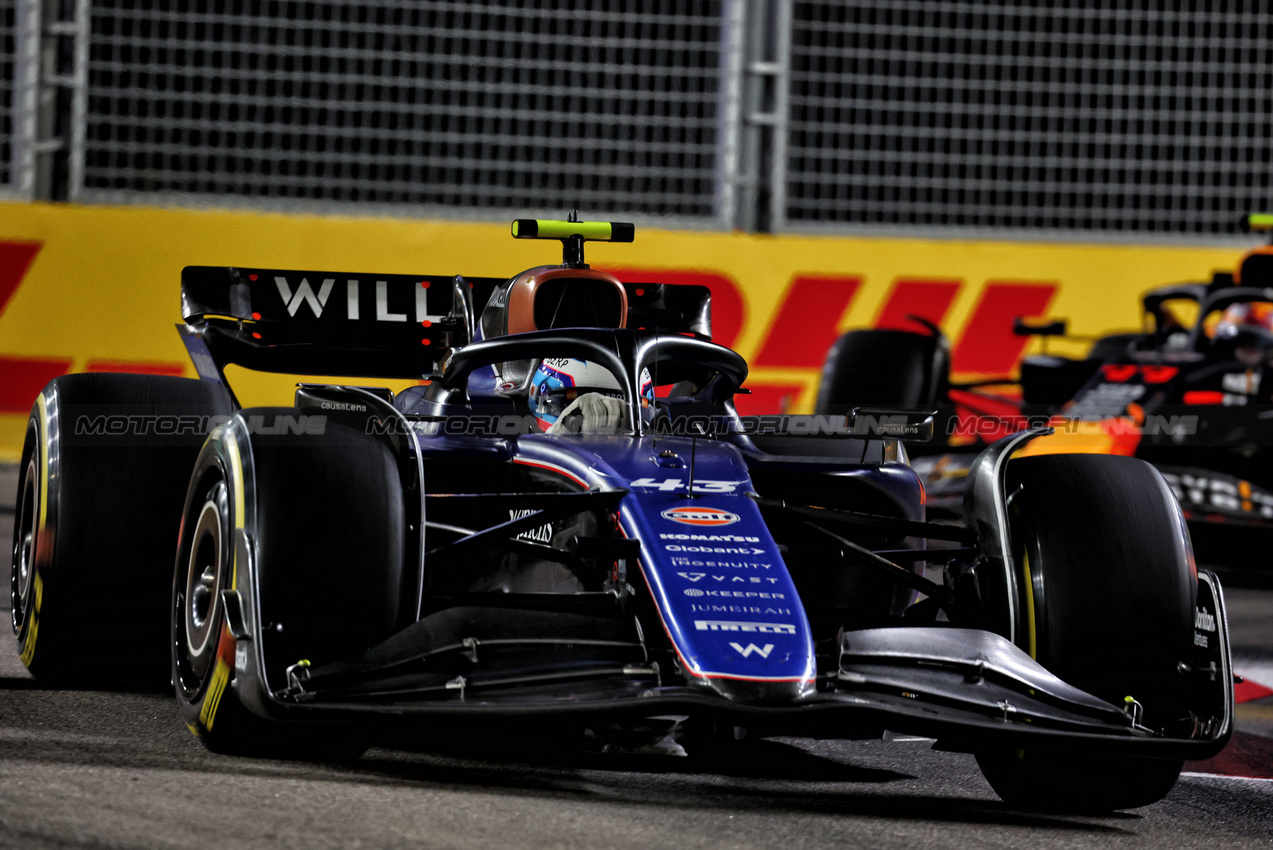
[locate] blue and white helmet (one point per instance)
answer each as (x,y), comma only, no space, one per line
(560,380)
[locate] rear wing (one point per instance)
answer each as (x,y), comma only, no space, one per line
(326,323)
(368,325)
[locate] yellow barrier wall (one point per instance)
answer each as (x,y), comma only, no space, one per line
(97,288)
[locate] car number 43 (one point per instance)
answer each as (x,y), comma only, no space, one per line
(671,485)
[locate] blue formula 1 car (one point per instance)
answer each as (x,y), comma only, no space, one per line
(566,525)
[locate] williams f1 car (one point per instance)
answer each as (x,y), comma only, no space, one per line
(1191,392)
(362,558)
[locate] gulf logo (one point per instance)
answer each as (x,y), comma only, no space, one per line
(702,517)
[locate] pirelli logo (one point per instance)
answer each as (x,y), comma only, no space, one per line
(735,626)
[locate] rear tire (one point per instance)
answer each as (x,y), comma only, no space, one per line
(100,487)
(884,368)
(1107,589)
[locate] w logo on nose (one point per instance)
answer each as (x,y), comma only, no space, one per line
(751,647)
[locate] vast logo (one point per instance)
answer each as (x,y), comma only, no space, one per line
(709,517)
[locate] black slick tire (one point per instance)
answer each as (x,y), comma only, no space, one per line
(104,466)
(1107,589)
(328,560)
(883,368)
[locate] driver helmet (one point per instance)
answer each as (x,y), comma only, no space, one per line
(1245,314)
(1247,325)
(560,380)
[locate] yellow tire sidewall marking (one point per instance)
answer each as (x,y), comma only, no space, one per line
(40,538)
(212,699)
(221,672)
(1029,605)
(44,462)
(236,476)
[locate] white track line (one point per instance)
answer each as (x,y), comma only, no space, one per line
(1259,672)
(1226,776)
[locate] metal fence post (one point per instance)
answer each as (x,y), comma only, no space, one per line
(60,86)
(763,100)
(26,53)
(729,116)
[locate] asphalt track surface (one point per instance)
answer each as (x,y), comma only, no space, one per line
(91,769)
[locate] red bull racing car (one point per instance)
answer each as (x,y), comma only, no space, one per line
(1191,392)
(565,524)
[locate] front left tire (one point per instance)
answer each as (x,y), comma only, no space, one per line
(320,518)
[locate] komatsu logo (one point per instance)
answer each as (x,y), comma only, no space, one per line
(303,295)
(712,538)
(700,516)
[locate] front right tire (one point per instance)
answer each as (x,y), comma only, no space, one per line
(1107,594)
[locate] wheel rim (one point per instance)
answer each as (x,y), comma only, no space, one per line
(197,606)
(203,580)
(25,529)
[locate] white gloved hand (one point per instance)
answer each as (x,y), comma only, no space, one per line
(592,413)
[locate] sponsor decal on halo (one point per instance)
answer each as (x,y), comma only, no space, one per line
(701,516)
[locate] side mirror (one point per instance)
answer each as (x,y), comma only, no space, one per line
(1021,327)
(909,426)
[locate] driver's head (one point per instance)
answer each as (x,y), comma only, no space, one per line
(1247,326)
(1244,314)
(559,381)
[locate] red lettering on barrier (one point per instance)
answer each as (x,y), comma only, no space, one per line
(136,367)
(22,378)
(728,310)
(768,398)
(988,345)
(806,324)
(927,299)
(15,259)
